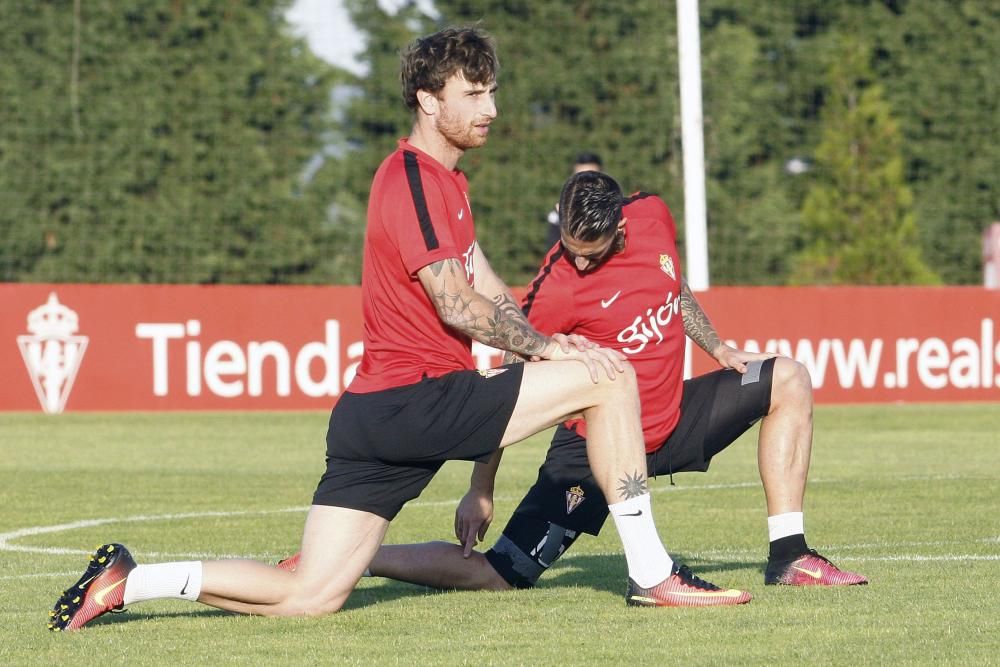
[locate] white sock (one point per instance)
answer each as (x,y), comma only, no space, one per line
(164,580)
(648,562)
(783,525)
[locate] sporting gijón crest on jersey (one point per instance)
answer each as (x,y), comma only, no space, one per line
(418,214)
(631,303)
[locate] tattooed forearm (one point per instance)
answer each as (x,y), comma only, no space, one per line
(499,323)
(696,323)
(510,330)
(632,486)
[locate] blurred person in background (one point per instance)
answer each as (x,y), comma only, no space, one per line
(585,161)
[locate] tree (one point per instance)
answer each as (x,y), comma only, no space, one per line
(162,142)
(858,213)
(194,140)
(609,87)
(371,118)
(752,219)
(937,63)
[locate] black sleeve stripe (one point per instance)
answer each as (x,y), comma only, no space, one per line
(419,201)
(537,284)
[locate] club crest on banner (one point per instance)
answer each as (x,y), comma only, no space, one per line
(667,266)
(52,352)
(573,498)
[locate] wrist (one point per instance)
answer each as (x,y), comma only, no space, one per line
(481,485)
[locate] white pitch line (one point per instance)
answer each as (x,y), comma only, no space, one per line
(907,558)
(41,575)
(921,559)
(5,538)
(88,523)
(746,557)
(928,543)
(840,548)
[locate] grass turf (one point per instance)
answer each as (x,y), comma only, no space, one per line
(907,495)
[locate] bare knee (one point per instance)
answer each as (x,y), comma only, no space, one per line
(308,601)
(791,383)
(625,386)
(307,607)
(622,391)
(628,375)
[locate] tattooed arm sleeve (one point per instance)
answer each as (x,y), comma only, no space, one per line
(696,323)
(497,322)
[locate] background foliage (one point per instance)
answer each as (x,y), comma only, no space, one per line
(159,143)
(197,141)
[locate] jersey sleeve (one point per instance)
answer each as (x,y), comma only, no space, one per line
(420,224)
(549,302)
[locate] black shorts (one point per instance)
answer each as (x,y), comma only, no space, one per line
(383,448)
(716,409)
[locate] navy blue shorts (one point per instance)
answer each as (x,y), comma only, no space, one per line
(383,447)
(716,409)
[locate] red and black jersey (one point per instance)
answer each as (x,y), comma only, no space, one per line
(631,303)
(418,213)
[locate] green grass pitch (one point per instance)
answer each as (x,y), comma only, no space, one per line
(908,495)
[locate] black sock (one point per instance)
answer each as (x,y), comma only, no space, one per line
(787,548)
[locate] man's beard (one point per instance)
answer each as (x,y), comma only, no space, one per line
(458,134)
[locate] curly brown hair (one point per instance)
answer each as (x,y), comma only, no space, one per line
(430,61)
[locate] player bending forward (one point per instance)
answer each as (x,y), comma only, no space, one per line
(615,279)
(417,400)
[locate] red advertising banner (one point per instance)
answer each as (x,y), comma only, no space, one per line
(870,344)
(186,347)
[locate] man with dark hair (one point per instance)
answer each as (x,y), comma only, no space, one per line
(417,400)
(615,278)
(585,161)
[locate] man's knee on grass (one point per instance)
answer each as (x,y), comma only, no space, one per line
(310,604)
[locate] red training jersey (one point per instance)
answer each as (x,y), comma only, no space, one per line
(418,213)
(630,303)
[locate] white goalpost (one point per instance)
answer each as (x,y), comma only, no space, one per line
(692,143)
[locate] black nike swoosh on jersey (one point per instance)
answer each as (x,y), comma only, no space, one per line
(636,513)
(185,587)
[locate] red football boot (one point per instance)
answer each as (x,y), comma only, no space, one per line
(101,589)
(810,569)
(683,589)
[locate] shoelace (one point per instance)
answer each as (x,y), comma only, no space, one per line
(690,578)
(815,554)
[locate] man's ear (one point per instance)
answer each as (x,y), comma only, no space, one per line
(428,102)
(621,225)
